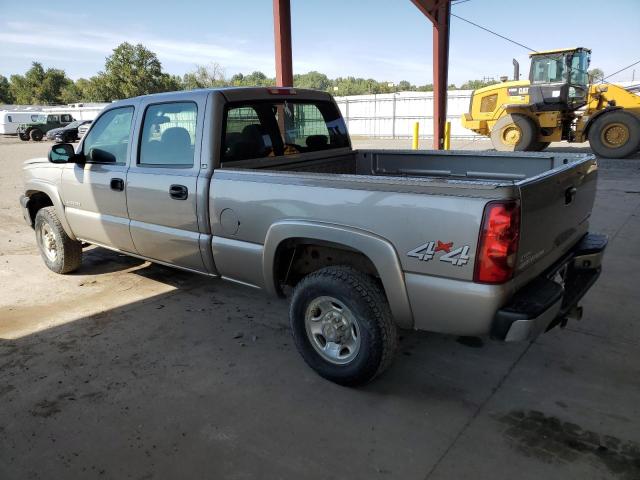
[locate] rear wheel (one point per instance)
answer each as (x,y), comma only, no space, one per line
(514,132)
(36,134)
(59,252)
(615,134)
(24,137)
(342,325)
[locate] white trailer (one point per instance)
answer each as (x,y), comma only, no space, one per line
(10,119)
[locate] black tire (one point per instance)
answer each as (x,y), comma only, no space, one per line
(24,137)
(49,232)
(515,126)
(36,134)
(365,303)
(539,146)
(615,134)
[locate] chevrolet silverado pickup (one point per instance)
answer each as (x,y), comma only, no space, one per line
(260,186)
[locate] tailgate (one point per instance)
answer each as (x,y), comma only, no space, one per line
(556,207)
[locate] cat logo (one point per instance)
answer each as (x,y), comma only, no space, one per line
(427,251)
(515,91)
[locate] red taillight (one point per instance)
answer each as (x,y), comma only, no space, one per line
(498,242)
(282,91)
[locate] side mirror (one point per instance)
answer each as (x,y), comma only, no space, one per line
(63,153)
(97,155)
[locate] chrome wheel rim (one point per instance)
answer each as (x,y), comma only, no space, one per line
(47,241)
(332,330)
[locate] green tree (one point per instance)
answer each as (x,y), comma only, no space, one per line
(209,76)
(314,80)
(132,70)
(405,86)
(5,91)
(475,84)
(39,86)
(595,75)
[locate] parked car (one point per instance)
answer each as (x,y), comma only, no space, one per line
(68,133)
(36,130)
(83,129)
(260,186)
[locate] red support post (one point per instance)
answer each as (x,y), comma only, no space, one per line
(282,33)
(438,11)
(440,72)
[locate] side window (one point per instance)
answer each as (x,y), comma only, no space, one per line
(169,134)
(245,136)
(10,119)
(53,118)
(66,118)
(108,140)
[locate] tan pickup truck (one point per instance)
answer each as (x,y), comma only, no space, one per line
(260,186)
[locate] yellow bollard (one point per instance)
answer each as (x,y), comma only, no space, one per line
(416,132)
(447,136)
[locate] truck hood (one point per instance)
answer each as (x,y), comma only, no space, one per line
(33,161)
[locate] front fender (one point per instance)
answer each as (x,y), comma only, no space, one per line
(33,186)
(377,249)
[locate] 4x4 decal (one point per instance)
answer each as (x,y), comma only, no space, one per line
(427,251)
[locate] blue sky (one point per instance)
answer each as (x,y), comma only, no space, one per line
(386,40)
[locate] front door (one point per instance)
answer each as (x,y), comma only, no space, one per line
(94,193)
(162,185)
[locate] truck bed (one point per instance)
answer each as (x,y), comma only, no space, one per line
(500,167)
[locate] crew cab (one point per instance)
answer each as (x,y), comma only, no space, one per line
(261,186)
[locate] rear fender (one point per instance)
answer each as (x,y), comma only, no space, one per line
(378,250)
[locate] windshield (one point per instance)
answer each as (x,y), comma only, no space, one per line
(73,124)
(547,68)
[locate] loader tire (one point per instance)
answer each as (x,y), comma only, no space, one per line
(514,132)
(615,134)
(539,146)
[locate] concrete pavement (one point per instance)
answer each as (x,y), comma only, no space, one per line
(132,370)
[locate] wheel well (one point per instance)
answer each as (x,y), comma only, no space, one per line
(297,257)
(37,200)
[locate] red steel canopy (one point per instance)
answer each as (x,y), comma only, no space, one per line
(437,11)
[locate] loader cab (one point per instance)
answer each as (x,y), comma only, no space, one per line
(559,79)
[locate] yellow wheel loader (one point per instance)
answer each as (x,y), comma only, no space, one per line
(557,103)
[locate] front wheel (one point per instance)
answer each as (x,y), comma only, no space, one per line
(24,137)
(342,325)
(615,134)
(36,134)
(59,252)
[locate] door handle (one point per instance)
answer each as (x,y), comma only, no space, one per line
(569,195)
(178,192)
(117,184)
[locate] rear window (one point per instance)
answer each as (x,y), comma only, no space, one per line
(270,129)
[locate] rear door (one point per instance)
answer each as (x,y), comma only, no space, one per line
(555,213)
(162,182)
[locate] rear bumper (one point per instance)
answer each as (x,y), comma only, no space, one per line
(552,297)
